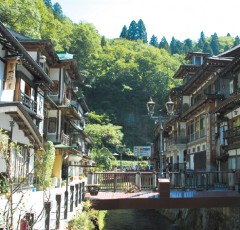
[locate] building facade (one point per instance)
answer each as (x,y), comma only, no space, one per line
(201,135)
(40,93)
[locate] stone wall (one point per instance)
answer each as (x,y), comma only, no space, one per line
(204,219)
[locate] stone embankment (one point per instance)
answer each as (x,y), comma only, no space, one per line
(204,219)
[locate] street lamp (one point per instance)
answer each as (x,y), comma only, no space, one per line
(151,106)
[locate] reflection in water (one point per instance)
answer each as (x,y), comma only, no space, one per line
(134,219)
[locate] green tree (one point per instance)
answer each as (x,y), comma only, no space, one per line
(48,4)
(142,31)
(124,32)
(214,43)
(86,45)
(236,41)
(133,33)
(103,41)
(57,11)
(207,49)
(164,44)
(188,46)
(201,42)
(153,41)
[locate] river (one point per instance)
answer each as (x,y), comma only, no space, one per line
(136,219)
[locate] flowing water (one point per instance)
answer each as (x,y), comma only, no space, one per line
(134,219)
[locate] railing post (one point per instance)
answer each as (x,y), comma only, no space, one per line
(154,175)
(71,197)
(138,180)
(231,180)
(90,177)
(83,190)
(47,207)
(76,195)
(238,183)
(30,219)
(66,204)
(58,210)
(80,193)
(115,182)
(183,181)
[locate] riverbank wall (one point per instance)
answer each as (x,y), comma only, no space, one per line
(204,219)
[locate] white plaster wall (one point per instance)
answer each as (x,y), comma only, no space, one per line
(186,99)
(33,54)
(7,95)
(54,74)
(17,134)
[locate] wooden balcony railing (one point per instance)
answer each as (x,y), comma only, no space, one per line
(232,133)
(65,139)
(28,102)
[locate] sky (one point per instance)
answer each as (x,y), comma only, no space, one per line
(179,18)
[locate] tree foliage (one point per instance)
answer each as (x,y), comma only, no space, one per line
(44,161)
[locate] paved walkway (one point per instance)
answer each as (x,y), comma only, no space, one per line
(34,202)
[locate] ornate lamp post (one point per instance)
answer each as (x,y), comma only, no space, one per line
(159,119)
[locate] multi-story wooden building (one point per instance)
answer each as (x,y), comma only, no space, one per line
(46,87)
(22,86)
(196,135)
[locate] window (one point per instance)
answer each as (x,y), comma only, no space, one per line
(52,124)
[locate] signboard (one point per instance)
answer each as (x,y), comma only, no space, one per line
(144,151)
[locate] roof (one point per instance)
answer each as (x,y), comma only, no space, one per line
(64,55)
(196,54)
(186,69)
(9,41)
(235,51)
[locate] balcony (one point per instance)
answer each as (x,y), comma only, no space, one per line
(177,140)
(65,139)
(232,134)
(62,139)
(197,135)
(28,102)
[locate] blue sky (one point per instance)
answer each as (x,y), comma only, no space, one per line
(179,18)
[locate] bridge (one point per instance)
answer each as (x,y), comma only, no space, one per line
(144,190)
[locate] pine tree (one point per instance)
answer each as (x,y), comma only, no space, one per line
(103,41)
(57,11)
(188,46)
(142,31)
(201,42)
(207,49)
(133,31)
(48,3)
(214,43)
(124,33)
(173,47)
(226,48)
(179,47)
(153,41)
(236,41)
(163,44)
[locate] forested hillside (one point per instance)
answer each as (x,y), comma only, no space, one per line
(120,74)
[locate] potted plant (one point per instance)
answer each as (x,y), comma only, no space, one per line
(93,189)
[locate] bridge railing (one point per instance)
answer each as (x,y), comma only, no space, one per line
(188,180)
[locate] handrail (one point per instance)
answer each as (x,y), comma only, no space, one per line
(190,180)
